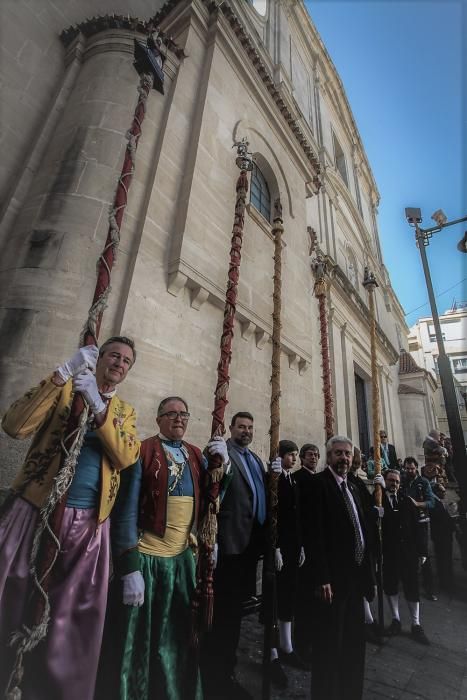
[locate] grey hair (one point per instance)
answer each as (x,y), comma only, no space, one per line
(165,401)
(338,438)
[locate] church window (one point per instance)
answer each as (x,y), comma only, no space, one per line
(260,196)
(339,160)
(260,6)
(352,269)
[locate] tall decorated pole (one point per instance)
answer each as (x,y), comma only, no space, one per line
(46,543)
(204,597)
(319,267)
(370,284)
(269,574)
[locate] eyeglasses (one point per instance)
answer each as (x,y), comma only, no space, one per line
(172,415)
(383,436)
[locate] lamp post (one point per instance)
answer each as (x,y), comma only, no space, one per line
(422,237)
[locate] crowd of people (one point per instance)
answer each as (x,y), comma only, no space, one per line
(119,595)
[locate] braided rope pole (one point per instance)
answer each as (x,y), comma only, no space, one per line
(319,268)
(46,543)
(370,284)
(203,600)
(269,574)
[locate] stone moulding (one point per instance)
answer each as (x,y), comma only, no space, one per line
(101,23)
(268,80)
(252,326)
(361,309)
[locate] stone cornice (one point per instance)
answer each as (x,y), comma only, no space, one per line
(264,73)
(101,23)
(183,275)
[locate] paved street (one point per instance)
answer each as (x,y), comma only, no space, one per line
(402,669)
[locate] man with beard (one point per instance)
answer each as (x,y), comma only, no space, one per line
(336,544)
(241,541)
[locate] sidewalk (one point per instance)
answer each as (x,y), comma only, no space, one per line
(401,669)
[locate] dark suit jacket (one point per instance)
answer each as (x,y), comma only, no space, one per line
(289,537)
(329,537)
(401,531)
(392,457)
(235,519)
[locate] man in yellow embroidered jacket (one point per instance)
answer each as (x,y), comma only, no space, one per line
(64,665)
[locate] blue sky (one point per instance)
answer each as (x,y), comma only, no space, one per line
(401,66)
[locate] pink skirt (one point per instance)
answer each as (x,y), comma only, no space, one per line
(64,665)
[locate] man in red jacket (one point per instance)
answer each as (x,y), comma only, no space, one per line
(153,533)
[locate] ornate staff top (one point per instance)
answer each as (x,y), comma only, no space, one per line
(321,268)
(244,160)
(369,279)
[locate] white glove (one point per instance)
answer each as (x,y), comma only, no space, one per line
(214,555)
(85,358)
(380,511)
(422,560)
(301,558)
(218,446)
(379,479)
(86,384)
(133,589)
(279,562)
(276,466)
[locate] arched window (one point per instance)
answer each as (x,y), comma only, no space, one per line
(260,6)
(260,196)
(352,268)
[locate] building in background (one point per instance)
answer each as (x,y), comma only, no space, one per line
(424,350)
(256,70)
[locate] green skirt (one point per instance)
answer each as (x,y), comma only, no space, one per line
(158,662)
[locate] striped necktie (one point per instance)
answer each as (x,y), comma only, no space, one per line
(359,547)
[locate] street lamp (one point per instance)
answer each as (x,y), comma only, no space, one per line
(422,237)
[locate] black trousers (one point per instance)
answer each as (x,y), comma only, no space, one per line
(234,580)
(338,646)
(287,584)
(444,567)
(303,618)
(401,567)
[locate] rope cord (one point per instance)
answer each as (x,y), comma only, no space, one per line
(46,544)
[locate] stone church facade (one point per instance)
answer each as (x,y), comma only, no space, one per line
(253,70)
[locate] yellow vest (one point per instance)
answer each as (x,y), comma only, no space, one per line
(43,413)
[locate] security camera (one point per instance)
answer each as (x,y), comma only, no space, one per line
(462,245)
(439,217)
(413,215)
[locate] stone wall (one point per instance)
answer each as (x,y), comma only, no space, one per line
(169,285)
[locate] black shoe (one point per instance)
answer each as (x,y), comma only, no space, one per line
(293,660)
(278,677)
(305,654)
(419,635)
(225,689)
(372,635)
(236,691)
(394,628)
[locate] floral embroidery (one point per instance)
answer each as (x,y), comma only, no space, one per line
(113,487)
